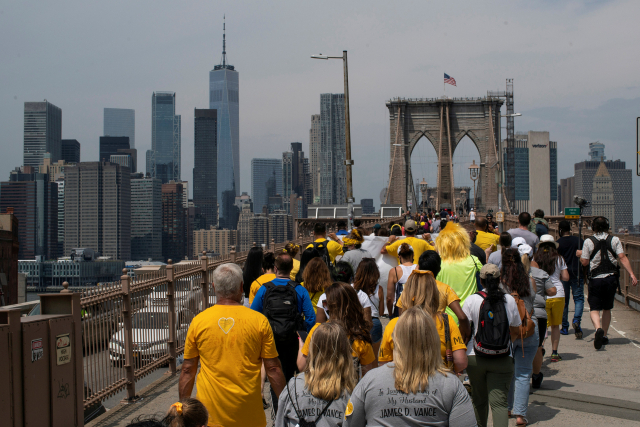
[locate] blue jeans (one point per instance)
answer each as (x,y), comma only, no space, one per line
(572,287)
(519,390)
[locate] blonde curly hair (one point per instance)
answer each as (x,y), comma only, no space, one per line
(453,243)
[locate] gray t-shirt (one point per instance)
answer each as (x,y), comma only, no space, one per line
(376,402)
(436,226)
(495,258)
(531,239)
(354,257)
(308,406)
(595,262)
(542,284)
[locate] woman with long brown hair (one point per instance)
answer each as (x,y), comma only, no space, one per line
(421,290)
(316,278)
(368,281)
(345,309)
(328,377)
(551,262)
(516,280)
(416,389)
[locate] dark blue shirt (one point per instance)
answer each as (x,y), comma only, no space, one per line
(342,233)
(567,247)
(304,302)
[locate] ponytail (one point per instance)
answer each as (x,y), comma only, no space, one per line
(188,412)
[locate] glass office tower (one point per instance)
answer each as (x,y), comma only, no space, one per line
(120,122)
(223,96)
(163,160)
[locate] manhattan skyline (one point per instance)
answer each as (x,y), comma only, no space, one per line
(557,86)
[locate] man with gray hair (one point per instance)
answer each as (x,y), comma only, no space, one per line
(231,342)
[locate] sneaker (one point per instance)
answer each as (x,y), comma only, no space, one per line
(564,331)
(265,405)
(555,357)
(605,340)
(536,380)
(597,342)
(578,330)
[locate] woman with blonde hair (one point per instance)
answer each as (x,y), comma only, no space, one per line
(459,267)
(418,389)
(421,290)
(316,278)
(328,377)
(292,249)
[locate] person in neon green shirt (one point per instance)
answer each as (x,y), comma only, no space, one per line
(459,267)
(418,245)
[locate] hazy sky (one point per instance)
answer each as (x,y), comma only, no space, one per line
(574,63)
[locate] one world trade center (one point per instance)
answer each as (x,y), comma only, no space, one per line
(223,96)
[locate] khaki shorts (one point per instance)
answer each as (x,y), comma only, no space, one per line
(555,308)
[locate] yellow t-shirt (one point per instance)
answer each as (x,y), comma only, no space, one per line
(386,346)
(294,271)
(333,248)
(231,341)
(315,297)
(418,245)
(447,296)
(257,284)
(360,349)
(484,240)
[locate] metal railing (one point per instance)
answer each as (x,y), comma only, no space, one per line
(631,245)
(138,325)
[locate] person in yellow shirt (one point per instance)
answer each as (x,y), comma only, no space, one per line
(316,279)
(484,238)
(268,261)
(346,310)
(230,342)
(334,246)
(418,245)
(421,291)
(292,249)
(431,261)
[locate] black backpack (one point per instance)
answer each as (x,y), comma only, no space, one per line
(322,248)
(493,337)
(280,306)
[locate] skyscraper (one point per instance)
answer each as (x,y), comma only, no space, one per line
(314,155)
(97,209)
(333,172)
(596,151)
(174,231)
(42,132)
(266,181)
(34,200)
(205,165)
(602,195)
(223,96)
(109,146)
(70,151)
(295,175)
(146,219)
(163,160)
(120,122)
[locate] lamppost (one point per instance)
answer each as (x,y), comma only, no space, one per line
(431,199)
(347,132)
(474,174)
(423,190)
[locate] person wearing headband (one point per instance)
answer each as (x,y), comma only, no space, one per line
(418,245)
(355,254)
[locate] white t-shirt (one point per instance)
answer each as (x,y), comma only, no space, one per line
(364,301)
(374,300)
(588,247)
(471,308)
(472,216)
(555,278)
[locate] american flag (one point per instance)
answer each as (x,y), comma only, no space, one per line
(449,79)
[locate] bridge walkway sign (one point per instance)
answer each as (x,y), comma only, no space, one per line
(571,213)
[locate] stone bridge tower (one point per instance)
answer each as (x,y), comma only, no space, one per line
(444,122)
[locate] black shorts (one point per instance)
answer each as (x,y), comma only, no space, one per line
(542,330)
(602,292)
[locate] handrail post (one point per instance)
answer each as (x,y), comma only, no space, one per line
(625,246)
(232,254)
(204,282)
(171,304)
(273,245)
(129,369)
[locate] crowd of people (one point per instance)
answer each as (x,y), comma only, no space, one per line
(468,315)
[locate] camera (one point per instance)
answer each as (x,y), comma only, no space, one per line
(580,202)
